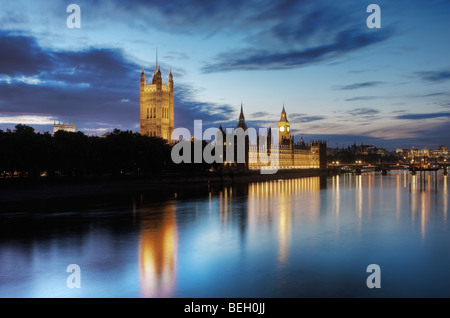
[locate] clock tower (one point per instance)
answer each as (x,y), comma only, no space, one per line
(284,132)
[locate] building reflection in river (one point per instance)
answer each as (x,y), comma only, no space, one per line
(276,209)
(279,202)
(157,250)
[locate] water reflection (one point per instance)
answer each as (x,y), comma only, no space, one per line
(157,250)
(279,202)
(255,240)
(445,198)
(398,198)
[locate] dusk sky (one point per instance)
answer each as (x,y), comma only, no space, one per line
(339,80)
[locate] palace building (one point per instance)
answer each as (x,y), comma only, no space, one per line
(286,154)
(156,105)
(157,120)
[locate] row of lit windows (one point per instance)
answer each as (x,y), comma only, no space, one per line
(151,112)
(165,112)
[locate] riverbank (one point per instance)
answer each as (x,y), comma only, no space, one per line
(20,190)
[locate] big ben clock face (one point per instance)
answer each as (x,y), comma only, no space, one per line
(281,129)
(287,129)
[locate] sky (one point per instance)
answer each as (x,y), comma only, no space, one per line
(339,80)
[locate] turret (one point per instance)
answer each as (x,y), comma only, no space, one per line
(157,78)
(171,81)
(143,83)
(142,88)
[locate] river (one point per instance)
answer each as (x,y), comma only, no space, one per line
(305,237)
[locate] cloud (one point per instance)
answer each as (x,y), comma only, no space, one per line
(434,94)
(256,59)
(26,119)
(189,108)
(176,56)
(359,98)
(22,55)
(259,114)
(435,76)
(359,85)
(178,16)
(289,34)
(303,118)
(423,116)
(363,111)
(93,87)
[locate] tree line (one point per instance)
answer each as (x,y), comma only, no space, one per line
(25,153)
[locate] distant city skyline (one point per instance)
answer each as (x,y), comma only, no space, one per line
(339,80)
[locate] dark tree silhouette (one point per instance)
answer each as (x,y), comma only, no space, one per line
(25,153)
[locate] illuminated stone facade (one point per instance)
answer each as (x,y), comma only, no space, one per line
(284,155)
(63,126)
(156,106)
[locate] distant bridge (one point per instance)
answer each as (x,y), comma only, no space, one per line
(358,168)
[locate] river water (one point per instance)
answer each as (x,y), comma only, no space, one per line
(306,237)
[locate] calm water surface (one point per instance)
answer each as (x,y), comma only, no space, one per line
(308,237)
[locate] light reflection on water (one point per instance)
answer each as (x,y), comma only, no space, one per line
(158,251)
(306,237)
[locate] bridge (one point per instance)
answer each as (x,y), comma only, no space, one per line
(359,167)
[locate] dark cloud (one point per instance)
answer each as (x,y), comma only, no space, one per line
(359,85)
(434,94)
(22,55)
(91,84)
(183,16)
(363,111)
(359,98)
(275,34)
(435,76)
(188,109)
(95,88)
(259,114)
(431,139)
(344,42)
(424,116)
(303,118)
(286,34)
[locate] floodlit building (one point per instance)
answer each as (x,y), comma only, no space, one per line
(156,105)
(64,126)
(286,154)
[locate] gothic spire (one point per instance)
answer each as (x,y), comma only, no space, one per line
(283,117)
(241,123)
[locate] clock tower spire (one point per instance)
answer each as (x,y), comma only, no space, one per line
(283,127)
